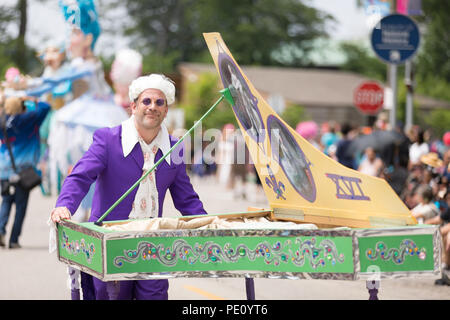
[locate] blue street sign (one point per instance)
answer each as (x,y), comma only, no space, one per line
(395,38)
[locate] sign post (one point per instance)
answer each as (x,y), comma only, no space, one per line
(393,84)
(409,95)
(395,40)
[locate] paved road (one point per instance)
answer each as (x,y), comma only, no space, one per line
(32,273)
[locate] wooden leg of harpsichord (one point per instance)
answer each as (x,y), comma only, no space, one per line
(250,288)
(372,286)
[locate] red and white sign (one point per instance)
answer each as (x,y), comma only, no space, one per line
(369,97)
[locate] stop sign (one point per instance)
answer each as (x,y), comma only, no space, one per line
(368,97)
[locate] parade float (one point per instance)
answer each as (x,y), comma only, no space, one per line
(325,221)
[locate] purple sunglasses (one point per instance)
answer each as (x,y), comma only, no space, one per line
(158,102)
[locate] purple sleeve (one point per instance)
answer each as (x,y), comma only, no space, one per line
(84,173)
(185,199)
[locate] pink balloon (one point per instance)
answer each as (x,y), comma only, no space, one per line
(307,129)
(446,138)
(11,73)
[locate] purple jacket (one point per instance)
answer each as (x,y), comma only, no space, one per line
(114,174)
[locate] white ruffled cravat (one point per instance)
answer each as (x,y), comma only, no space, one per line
(145,203)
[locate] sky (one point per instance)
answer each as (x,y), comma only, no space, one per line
(351,21)
(45,21)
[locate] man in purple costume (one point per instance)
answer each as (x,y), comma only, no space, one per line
(117,158)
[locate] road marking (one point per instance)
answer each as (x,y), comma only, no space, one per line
(203,292)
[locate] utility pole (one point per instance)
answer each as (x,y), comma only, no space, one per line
(392,73)
(409,82)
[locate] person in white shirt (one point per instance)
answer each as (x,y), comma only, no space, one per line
(371,164)
(418,149)
(426,209)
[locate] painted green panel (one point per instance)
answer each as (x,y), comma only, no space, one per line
(397,253)
(272,254)
(80,248)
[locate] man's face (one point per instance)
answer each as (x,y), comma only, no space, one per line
(149,116)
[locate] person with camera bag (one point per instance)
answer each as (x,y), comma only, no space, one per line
(19,155)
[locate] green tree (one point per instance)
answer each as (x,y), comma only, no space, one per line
(199,97)
(13,49)
(360,60)
(434,56)
(7,15)
(433,61)
(294,114)
(21,51)
(256,30)
(439,121)
(252,28)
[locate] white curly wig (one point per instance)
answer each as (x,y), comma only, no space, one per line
(153,81)
(126,67)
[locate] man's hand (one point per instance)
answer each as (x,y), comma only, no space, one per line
(60,213)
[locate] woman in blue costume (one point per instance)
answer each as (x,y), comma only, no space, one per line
(56,66)
(93,107)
